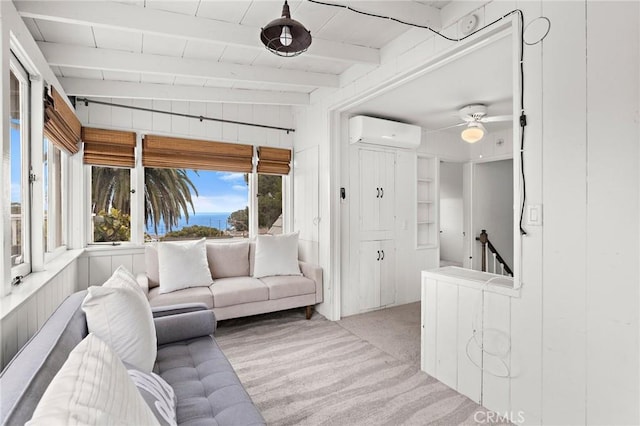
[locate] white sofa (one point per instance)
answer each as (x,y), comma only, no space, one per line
(235,292)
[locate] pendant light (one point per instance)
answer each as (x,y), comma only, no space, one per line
(285,36)
(473,132)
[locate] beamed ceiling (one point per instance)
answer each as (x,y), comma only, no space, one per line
(207,50)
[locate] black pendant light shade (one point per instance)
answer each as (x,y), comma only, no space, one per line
(285,36)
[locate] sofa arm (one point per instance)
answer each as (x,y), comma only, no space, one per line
(181,308)
(313,272)
(143,282)
(188,325)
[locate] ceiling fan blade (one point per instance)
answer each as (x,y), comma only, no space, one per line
(494,118)
(448,127)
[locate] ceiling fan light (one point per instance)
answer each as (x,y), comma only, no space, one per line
(474,132)
(285,36)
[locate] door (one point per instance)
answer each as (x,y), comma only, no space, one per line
(377,274)
(387,265)
(377,184)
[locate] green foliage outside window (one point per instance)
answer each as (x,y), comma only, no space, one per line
(111,227)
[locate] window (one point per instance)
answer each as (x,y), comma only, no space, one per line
(188,204)
(269,204)
(111,204)
(54,208)
(19,163)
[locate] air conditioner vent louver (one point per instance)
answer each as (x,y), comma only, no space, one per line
(376,131)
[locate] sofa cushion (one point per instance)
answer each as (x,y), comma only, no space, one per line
(207,388)
(228,259)
(92,387)
(187,295)
(287,286)
(183,265)
(119,314)
(237,290)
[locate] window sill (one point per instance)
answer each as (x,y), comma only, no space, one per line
(35,281)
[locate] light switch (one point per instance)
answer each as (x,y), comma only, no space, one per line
(534,214)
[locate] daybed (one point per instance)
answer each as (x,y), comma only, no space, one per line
(237,289)
(207,389)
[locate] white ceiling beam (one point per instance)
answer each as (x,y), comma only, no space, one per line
(125,17)
(128,90)
(116,60)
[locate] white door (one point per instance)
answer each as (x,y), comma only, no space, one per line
(369,275)
(369,190)
(377,188)
(387,266)
(386,183)
(305,208)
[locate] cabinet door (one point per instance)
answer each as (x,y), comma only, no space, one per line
(369,274)
(387,273)
(369,190)
(386,181)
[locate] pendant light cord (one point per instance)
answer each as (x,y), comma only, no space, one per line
(522,119)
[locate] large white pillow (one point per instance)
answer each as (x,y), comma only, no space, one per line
(92,388)
(119,314)
(276,255)
(182,265)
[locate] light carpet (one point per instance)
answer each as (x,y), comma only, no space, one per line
(317,372)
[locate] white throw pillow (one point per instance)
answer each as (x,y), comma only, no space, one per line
(119,314)
(183,265)
(276,255)
(92,388)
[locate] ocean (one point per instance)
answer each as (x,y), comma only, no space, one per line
(213,220)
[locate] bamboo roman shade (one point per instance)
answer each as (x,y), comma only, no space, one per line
(61,126)
(177,153)
(274,161)
(113,148)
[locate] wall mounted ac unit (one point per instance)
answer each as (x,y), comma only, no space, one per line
(363,129)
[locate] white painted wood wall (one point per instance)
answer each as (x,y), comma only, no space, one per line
(18,326)
(575,330)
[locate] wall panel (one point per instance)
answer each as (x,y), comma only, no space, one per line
(18,326)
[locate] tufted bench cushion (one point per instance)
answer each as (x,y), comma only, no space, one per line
(207,388)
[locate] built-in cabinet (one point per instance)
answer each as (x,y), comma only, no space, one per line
(377,274)
(466,333)
(377,188)
(373,228)
(426,202)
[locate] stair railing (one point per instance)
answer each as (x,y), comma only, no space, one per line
(497,259)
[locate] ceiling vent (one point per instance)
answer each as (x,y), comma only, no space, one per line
(376,131)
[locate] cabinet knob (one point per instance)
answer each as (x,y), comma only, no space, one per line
(382,255)
(378,190)
(378,255)
(381,192)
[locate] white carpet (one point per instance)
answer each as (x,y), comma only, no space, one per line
(318,372)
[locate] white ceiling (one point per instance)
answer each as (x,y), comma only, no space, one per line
(433,100)
(209,50)
(137,48)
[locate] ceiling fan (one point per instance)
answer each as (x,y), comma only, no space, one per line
(473,117)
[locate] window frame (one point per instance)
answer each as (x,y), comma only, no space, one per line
(17,69)
(137,203)
(52,181)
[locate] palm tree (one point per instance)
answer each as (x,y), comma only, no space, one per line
(167,194)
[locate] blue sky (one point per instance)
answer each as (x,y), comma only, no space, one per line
(16,159)
(219,191)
